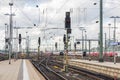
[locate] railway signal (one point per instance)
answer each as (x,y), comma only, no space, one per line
(20,38)
(6,40)
(75,46)
(68,31)
(56,45)
(39,41)
(67,21)
(78,42)
(64,39)
(6,43)
(68,38)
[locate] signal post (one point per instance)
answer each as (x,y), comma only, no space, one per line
(66,39)
(39,41)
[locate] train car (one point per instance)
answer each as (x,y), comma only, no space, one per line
(94,54)
(108,54)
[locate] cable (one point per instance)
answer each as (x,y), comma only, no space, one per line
(53,17)
(25,15)
(103,13)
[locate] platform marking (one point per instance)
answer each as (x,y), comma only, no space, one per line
(25,71)
(20,74)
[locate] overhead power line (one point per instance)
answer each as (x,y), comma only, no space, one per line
(31,22)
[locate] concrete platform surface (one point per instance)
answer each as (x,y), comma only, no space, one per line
(19,70)
(105,68)
(9,71)
(108,64)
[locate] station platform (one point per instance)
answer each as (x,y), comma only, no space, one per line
(107,68)
(19,70)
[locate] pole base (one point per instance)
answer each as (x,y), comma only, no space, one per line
(9,62)
(66,69)
(101,60)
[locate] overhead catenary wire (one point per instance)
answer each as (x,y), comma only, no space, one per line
(107,12)
(30,20)
(58,10)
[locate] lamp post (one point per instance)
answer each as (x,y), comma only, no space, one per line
(109,31)
(82,41)
(10,32)
(38,14)
(105,44)
(17,43)
(109,36)
(82,29)
(27,44)
(85,41)
(101,31)
(114,35)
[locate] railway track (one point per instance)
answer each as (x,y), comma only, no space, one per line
(106,58)
(46,68)
(94,75)
(48,73)
(85,73)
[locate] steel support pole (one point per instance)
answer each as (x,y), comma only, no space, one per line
(6,38)
(82,42)
(89,49)
(10,33)
(20,48)
(66,53)
(17,44)
(101,32)
(105,44)
(109,31)
(59,44)
(85,41)
(27,46)
(114,36)
(38,51)
(109,37)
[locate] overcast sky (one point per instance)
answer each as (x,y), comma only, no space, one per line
(51,14)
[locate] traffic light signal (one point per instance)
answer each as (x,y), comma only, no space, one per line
(39,40)
(20,39)
(67,21)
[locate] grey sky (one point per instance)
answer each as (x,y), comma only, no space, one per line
(84,14)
